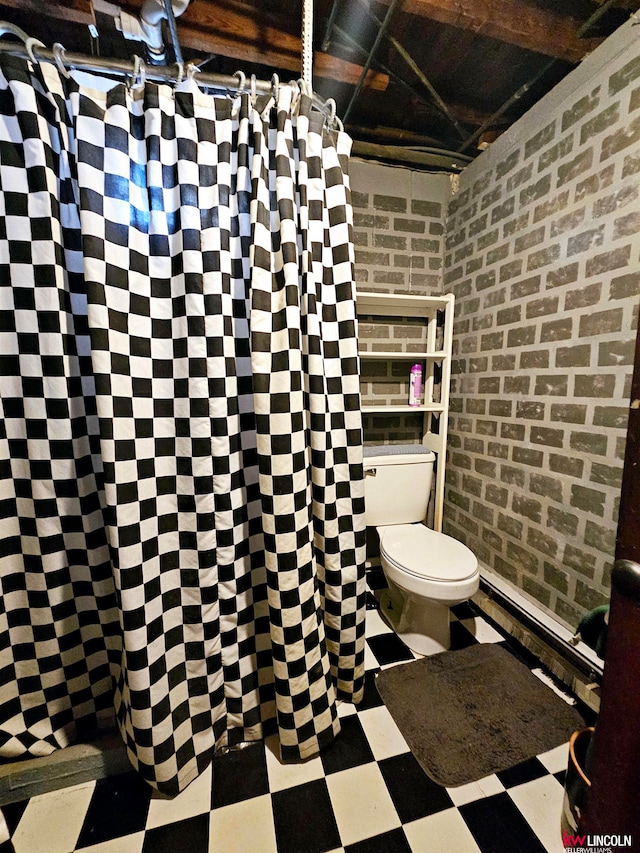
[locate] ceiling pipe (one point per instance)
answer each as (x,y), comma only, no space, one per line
(326,41)
(413,65)
(171,20)
(419,96)
(372,53)
(148,28)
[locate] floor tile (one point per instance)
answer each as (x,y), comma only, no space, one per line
(124,844)
(443,832)
(283,775)
(304,819)
(389,842)
(555,760)
(371,698)
(361,803)
(382,733)
(389,648)
(376,579)
(520,653)
(370,660)
(119,806)
(523,772)
(5,832)
(463,611)
(193,801)
(540,801)
(191,834)
(12,813)
(498,825)
(552,682)
(490,785)
(485,787)
(461,638)
(346,709)
(481,630)
(61,812)
(414,794)
(375,624)
(349,750)
(244,827)
(239,775)
(366,793)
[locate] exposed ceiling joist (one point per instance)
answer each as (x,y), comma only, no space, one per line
(236,32)
(511,45)
(78,11)
(513,21)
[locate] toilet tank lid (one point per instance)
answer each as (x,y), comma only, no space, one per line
(398,450)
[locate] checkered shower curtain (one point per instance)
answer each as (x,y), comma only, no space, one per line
(181,504)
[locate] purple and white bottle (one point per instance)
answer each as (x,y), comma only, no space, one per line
(415,385)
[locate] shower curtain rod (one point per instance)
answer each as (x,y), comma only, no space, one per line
(156,73)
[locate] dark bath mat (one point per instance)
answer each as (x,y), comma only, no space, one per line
(469,713)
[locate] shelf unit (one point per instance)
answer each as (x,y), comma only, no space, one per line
(428,308)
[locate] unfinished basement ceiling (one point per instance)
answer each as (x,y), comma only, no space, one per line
(447,74)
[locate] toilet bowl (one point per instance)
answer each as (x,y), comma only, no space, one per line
(427,572)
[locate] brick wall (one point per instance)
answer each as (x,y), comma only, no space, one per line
(542,252)
(399,238)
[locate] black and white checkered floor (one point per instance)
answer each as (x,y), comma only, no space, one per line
(365,794)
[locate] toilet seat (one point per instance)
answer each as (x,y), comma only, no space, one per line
(424,553)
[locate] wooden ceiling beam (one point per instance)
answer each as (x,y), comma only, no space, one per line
(513,21)
(77,11)
(235,31)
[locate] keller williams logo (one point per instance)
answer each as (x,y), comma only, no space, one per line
(594,843)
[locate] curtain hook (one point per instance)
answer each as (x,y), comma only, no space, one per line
(192,69)
(30,43)
(58,55)
(304,88)
(295,97)
(330,104)
(139,73)
(333,119)
(253,89)
(180,76)
(275,87)
(242,81)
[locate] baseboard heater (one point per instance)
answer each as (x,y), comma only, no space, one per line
(576,665)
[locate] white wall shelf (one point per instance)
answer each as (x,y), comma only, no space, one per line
(436,311)
(400,305)
(401,356)
(390,409)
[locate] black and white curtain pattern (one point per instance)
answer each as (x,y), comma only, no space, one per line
(182,499)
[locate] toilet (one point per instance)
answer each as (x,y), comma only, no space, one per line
(427,572)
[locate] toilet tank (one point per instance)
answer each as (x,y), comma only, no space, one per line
(397,483)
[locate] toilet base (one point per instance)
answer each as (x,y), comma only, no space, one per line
(422,624)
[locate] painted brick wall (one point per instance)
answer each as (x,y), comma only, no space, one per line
(399,238)
(542,252)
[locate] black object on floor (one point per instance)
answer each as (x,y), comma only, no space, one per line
(466,714)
